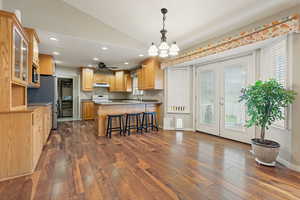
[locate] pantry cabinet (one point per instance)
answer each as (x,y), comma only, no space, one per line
(150,75)
(87,79)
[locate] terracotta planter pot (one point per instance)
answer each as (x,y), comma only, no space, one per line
(265,152)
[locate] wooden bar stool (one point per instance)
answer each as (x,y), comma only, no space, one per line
(110,127)
(137,126)
(152,123)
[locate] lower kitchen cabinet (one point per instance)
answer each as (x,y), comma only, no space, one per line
(22,140)
(87,110)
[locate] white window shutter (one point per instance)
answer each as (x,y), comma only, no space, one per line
(274,64)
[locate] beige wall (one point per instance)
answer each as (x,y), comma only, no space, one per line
(295,157)
(1,4)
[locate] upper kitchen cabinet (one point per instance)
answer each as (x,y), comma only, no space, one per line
(121,82)
(33,58)
(13,63)
(87,79)
(150,76)
(101,78)
(47,64)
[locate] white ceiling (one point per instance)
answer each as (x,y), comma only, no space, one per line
(127,27)
(187,20)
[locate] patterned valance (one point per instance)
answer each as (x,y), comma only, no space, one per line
(267,31)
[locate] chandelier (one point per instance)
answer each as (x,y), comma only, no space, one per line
(164,50)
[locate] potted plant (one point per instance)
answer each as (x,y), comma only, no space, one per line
(265,101)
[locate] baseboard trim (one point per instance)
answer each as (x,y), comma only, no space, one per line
(288,164)
(173,129)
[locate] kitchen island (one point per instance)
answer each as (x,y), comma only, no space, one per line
(121,107)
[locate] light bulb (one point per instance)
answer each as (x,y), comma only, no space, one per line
(174,47)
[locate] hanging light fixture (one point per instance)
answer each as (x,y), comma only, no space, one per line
(163,50)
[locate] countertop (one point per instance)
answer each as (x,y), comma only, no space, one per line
(128,102)
(40,104)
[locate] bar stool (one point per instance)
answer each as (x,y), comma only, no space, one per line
(110,128)
(137,126)
(153,121)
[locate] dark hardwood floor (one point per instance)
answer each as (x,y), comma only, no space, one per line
(77,165)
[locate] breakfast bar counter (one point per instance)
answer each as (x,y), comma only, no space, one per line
(121,107)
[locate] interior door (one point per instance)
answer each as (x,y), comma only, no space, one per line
(218,89)
(207,99)
(235,75)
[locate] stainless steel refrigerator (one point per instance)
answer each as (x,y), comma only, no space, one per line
(45,94)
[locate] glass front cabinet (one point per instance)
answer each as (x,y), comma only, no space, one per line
(20,58)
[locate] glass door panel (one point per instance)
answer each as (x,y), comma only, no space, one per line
(24,61)
(208,117)
(235,75)
(234,81)
(17,54)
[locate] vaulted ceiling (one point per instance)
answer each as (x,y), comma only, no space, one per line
(127,27)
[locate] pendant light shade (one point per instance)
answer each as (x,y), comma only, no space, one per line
(153,51)
(163,46)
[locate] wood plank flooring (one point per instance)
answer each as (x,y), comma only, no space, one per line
(77,165)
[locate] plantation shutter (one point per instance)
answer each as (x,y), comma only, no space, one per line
(279,61)
(275,65)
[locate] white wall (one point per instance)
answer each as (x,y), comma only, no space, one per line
(1,4)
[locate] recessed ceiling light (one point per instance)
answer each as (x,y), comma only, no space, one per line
(53,38)
(126,63)
(55,53)
(104,48)
(141,55)
(95,59)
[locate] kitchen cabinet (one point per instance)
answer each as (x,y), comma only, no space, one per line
(87,79)
(88,111)
(150,75)
(47,64)
(33,58)
(101,78)
(22,141)
(121,82)
(20,57)
(112,83)
(13,63)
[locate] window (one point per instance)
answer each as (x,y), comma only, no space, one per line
(275,65)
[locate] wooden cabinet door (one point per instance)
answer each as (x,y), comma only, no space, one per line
(112,83)
(38,135)
(88,110)
(141,78)
(128,83)
(120,83)
(47,65)
(87,79)
(101,78)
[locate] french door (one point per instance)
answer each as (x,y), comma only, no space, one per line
(218,89)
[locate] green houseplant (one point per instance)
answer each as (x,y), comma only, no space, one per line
(265,101)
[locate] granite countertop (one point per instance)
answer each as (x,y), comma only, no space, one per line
(128,102)
(40,104)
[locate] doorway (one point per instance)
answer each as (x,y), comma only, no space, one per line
(219,87)
(65,98)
